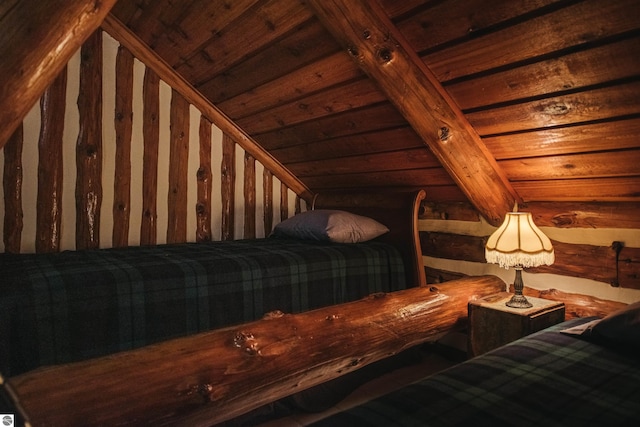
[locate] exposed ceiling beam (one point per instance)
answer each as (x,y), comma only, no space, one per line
(37,40)
(372,40)
(145,54)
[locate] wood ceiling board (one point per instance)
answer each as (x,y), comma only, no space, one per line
(308,43)
(456,21)
(416,178)
(590,165)
(394,7)
(614,61)
(352,145)
(335,100)
(151,20)
(373,118)
(252,32)
(322,74)
(417,158)
(574,139)
(577,24)
(586,106)
(6,6)
(201,23)
(367,34)
(580,190)
(130,11)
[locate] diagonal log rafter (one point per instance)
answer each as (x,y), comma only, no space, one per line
(372,41)
(37,41)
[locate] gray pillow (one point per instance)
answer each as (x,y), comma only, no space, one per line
(330,225)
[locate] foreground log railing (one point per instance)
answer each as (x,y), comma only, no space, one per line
(214,376)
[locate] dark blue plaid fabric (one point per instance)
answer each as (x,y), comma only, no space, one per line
(546,379)
(58,308)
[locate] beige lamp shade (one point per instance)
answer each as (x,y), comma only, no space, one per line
(518,242)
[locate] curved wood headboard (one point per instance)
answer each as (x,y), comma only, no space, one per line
(397,210)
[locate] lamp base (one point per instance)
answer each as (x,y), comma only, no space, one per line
(518,300)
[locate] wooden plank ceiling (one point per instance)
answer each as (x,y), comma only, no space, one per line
(546,92)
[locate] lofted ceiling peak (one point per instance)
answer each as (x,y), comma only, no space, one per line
(527,101)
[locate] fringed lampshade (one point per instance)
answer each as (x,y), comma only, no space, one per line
(519,243)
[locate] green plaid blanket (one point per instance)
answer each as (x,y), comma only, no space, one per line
(546,379)
(70,306)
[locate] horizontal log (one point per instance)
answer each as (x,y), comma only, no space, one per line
(549,214)
(458,211)
(584,261)
(577,305)
(453,246)
(571,259)
(628,268)
(585,215)
(435,275)
(214,376)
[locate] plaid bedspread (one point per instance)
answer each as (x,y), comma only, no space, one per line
(546,379)
(58,308)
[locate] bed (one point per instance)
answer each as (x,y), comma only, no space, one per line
(580,372)
(77,305)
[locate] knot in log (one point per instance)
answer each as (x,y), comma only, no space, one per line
(275,314)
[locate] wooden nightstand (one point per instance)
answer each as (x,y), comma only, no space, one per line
(493,324)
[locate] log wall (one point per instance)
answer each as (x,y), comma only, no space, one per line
(606,264)
(112,156)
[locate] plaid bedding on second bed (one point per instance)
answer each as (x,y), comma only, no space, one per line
(58,308)
(546,379)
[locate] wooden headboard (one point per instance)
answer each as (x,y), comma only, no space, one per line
(397,210)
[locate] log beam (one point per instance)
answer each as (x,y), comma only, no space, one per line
(214,376)
(37,41)
(372,40)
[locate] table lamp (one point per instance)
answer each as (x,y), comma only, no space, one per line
(519,243)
